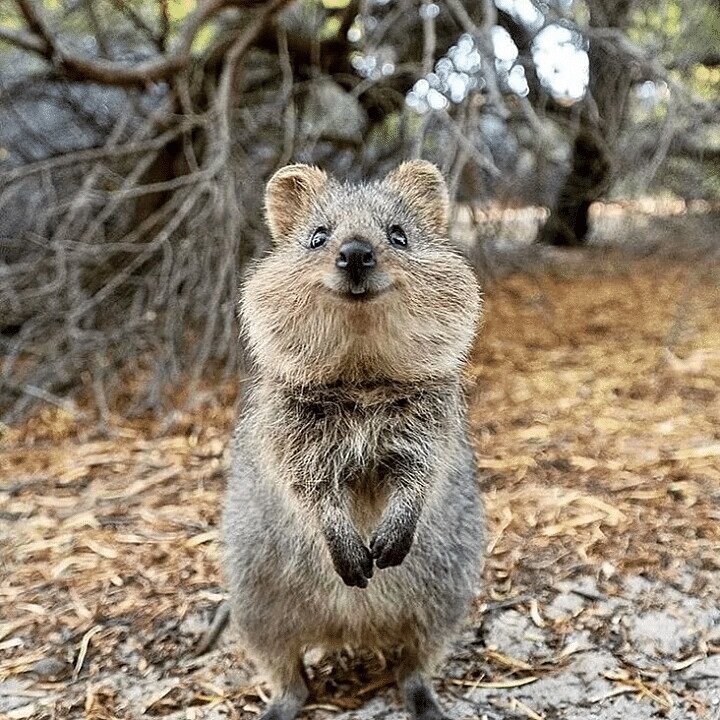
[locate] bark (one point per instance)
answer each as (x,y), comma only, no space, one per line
(593,162)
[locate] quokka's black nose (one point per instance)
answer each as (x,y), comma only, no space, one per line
(357,258)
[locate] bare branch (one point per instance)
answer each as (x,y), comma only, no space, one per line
(120,74)
(483,39)
(483,160)
(233,58)
(683,62)
(123,7)
(23,40)
(98,30)
(429,36)
(106,152)
(36,24)
(288,99)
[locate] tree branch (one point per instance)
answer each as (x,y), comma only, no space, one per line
(118,74)
(708,59)
(483,40)
(23,40)
(123,7)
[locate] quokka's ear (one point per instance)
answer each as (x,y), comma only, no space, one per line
(289,195)
(422,187)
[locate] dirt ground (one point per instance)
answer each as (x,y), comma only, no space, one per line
(595,409)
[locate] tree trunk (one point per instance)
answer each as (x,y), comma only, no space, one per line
(601,119)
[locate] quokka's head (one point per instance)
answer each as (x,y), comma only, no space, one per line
(361,282)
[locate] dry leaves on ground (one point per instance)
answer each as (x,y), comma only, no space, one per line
(595,410)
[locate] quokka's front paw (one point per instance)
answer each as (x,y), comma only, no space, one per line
(353,562)
(392,542)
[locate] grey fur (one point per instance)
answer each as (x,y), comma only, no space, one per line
(330,480)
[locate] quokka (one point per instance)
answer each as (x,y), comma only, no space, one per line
(352,514)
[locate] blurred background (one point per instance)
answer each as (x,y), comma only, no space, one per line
(136,138)
(580,140)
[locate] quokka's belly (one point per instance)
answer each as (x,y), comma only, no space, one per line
(428,593)
(279,567)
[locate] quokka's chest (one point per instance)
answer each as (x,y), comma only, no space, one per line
(358,436)
(355,432)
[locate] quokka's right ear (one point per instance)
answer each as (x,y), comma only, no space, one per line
(289,195)
(423,188)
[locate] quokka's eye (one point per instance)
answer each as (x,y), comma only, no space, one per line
(396,236)
(319,237)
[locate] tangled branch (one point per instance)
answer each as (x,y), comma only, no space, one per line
(43,42)
(133,273)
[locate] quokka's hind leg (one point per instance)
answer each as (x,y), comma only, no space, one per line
(288,685)
(420,699)
(414,680)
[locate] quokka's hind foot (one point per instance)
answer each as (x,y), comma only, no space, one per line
(420,699)
(283,709)
(290,693)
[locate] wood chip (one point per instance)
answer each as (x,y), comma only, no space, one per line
(501,684)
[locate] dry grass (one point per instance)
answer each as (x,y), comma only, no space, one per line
(600,442)
(599,447)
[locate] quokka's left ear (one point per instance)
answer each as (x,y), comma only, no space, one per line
(289,196)
(421,185)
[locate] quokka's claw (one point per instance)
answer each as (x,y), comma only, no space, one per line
(389,548)
(354,565)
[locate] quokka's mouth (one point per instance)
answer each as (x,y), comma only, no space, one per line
(362,294)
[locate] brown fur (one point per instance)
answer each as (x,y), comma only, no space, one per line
(352,465)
